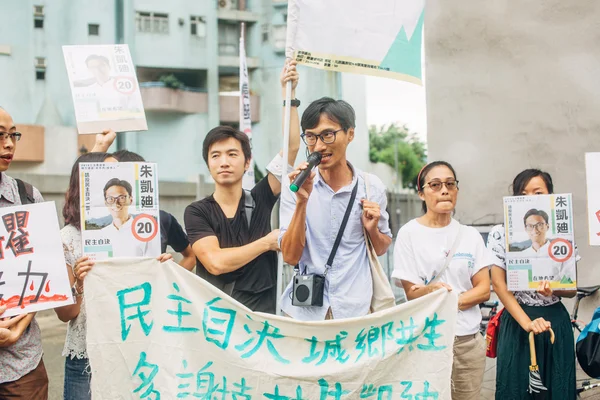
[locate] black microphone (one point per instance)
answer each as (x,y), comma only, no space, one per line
(313,160)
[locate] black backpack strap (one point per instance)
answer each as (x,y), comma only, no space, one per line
(25,192)
(248,205)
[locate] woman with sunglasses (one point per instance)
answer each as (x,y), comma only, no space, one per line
(77,370)
(531,311)
(435,251)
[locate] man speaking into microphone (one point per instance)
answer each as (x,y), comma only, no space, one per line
(322,220)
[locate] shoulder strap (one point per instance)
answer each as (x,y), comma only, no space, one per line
(25,192)
(367,185)
(449,255)
(248,205)
(338,239)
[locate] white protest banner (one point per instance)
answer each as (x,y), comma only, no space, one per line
(33,272)
(155,329)
(119,210)
(540,241)
(592,173)
(245,116)
(377,37)
(105,89)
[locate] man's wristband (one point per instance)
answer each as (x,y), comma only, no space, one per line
(293,103)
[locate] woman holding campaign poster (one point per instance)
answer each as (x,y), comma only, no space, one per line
(539,308)
(77,370)
(435,251)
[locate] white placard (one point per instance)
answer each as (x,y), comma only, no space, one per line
(592,174)
(119,210)
(105,89)
(33,272)
(540,241)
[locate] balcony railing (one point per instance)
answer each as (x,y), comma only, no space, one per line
(158,97)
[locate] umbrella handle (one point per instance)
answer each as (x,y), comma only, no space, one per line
(532,345)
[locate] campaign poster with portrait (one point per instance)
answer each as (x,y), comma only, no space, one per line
(119,210)
(540,241)
(105,89)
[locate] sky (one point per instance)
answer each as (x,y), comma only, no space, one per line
(391,100)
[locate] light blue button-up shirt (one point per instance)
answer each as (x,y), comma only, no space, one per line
(348,286)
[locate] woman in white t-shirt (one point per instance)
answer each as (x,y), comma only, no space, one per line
(420,253)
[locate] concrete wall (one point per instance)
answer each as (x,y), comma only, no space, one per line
(512,87)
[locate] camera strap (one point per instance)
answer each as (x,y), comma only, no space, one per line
(338,239)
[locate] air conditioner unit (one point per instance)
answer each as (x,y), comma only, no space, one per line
(38,11)
(40,62)
(225,4)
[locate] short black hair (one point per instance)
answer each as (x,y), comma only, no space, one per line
(98,57)
(118,182)
(128,156)
(534,211)
(338,111)
(224,132)
(522,179)
(420,183)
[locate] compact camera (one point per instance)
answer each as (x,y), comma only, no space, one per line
(308,290)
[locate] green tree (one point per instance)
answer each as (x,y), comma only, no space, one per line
(412,152)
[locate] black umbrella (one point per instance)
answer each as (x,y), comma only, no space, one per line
(536,387)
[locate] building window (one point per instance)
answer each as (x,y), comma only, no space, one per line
(93,30)
(198,26)
(265,32)
(38,17)
(229,39)
(279,37)
(148,22)
(40,68)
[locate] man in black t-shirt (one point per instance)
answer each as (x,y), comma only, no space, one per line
(236,256)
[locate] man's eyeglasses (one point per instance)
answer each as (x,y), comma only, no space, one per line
(15,136)
(538,227)
(327,137)
(436,186)
(120,200)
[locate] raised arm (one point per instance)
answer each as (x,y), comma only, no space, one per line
(293,240)
(104,140)
(289,73)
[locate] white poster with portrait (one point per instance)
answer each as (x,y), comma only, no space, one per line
(105,89)
(540,242)
(119,210)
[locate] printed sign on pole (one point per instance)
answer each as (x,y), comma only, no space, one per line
(592,173)
(377,37)
(540,241)
(119,210)
(33,272)
(105,88)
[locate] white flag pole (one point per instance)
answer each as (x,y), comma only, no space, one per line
(245,116)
